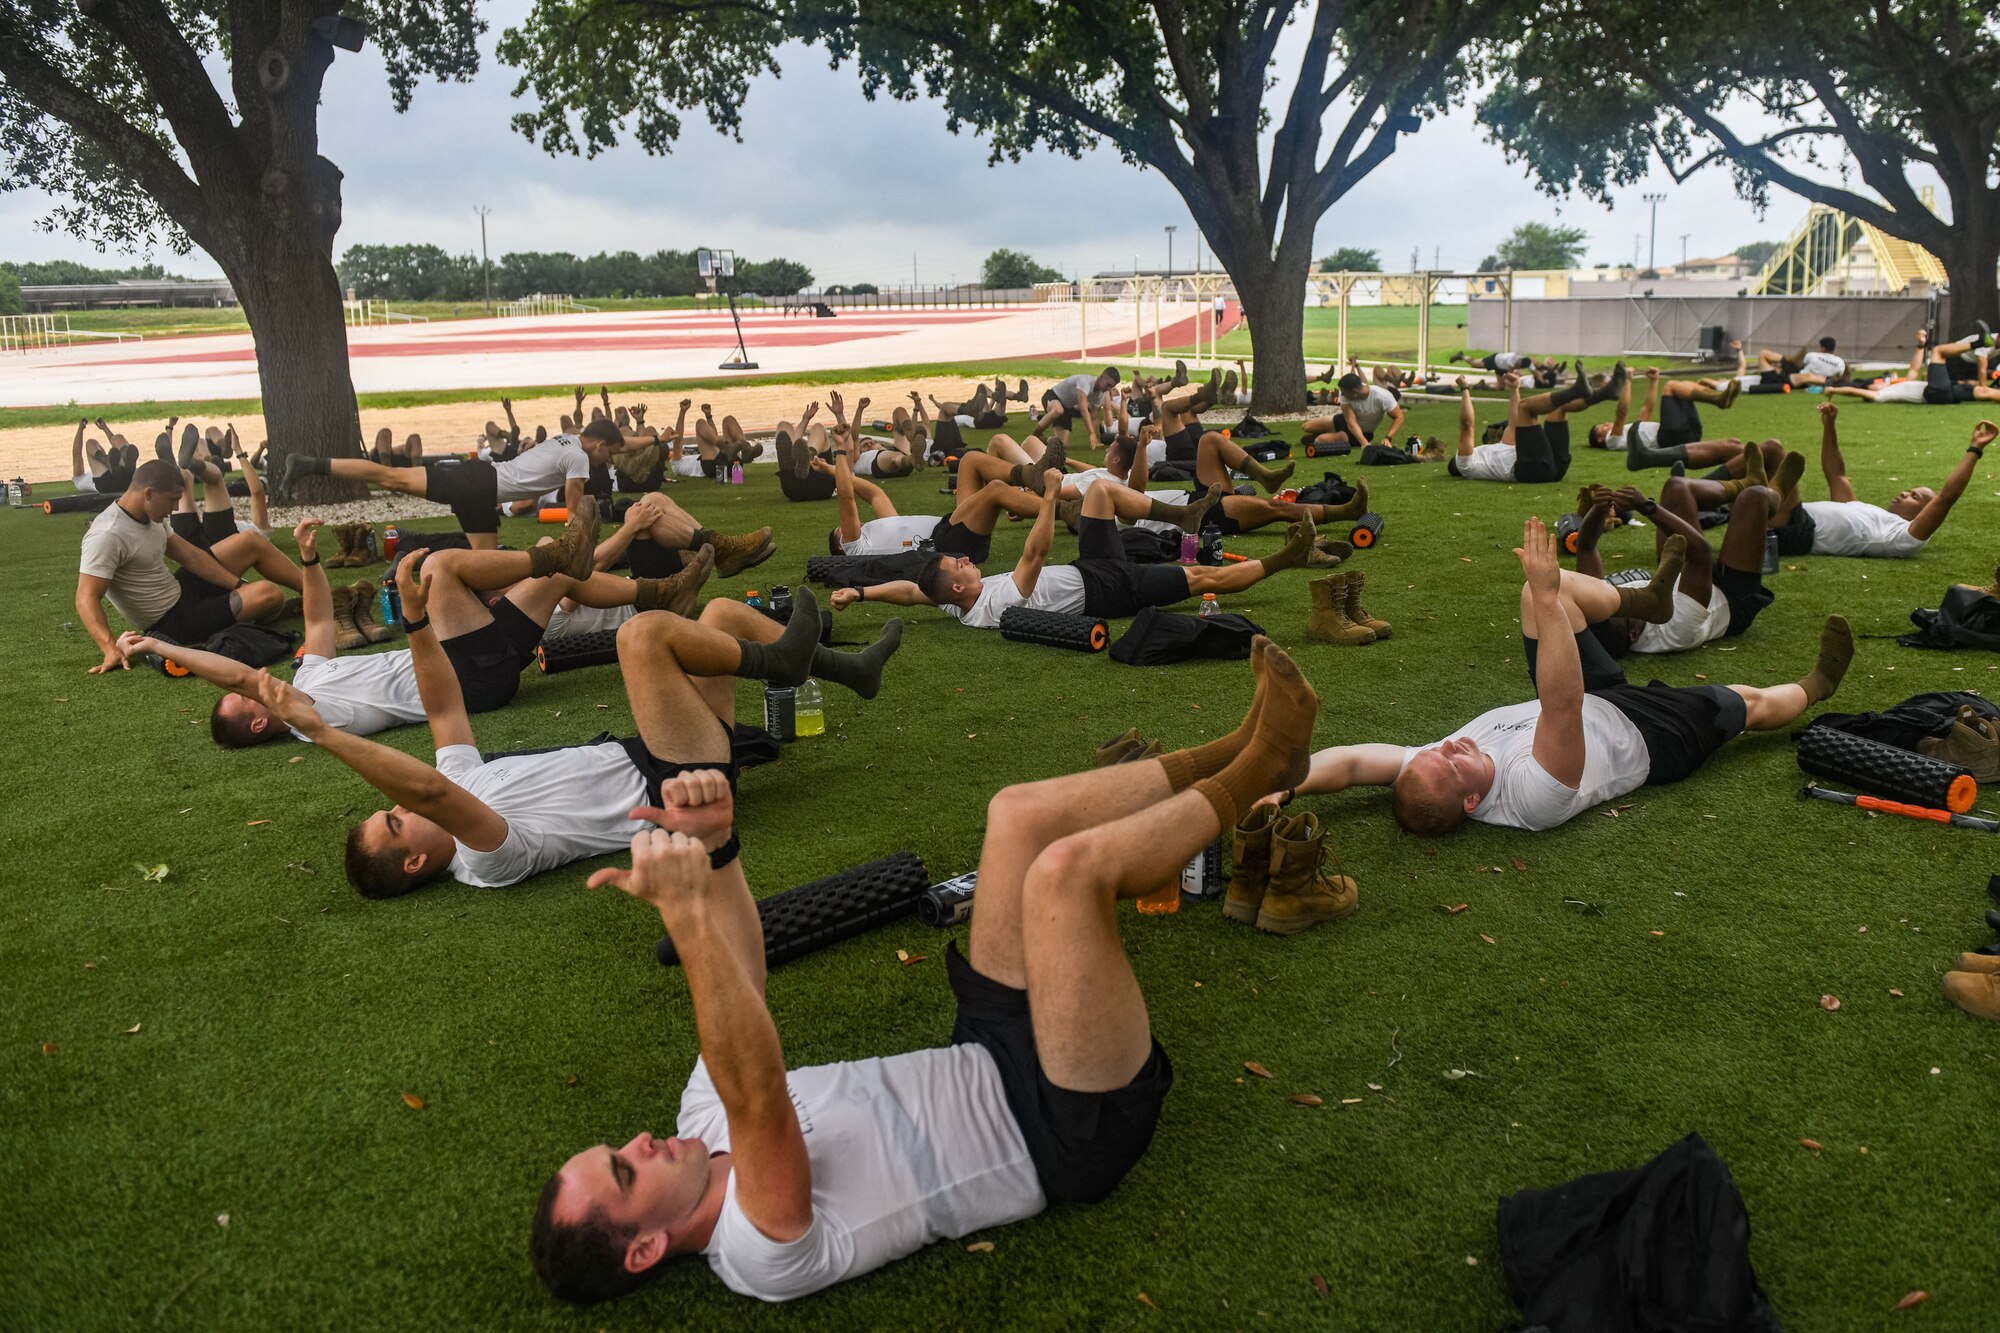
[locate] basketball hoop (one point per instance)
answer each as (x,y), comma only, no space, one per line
(718,264)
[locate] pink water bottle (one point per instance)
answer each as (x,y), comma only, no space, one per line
(1190,548)
(735,474)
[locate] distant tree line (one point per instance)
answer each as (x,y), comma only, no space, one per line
(429,273)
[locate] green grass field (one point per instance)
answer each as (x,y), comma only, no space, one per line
(232,1041)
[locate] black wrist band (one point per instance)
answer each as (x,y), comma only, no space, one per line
(411,627)
(1976,450)
(308,564)
(726,853)
(1648,507)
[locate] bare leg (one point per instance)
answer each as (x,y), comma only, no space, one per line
(401,480)
(1468,437)
(1005,449)
(1700,393)
(1676,515)
(677,718)
(980,510)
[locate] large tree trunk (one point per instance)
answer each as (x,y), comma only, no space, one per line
(1970,263)
(1275,304)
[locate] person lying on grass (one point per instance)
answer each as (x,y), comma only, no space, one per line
(486,645)
(494,822)
(788,1181)
(1589,735)
(1103,581)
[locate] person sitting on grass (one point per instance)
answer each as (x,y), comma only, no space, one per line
(1589,735)
(490,823)
(125,554)
(1102,582)
(487,646)
(1716,596)
(1365,412)
(1669,424)
(1126,464)
(788,1181)
(1778,373)
(1533,445)
(1845,525)
(475,490)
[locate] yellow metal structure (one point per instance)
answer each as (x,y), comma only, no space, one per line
(1821,257)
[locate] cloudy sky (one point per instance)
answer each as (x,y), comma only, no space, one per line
(881,192)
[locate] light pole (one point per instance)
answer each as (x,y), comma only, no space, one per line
(1170,251)
(1684,247)
(485,264)
(1653,228)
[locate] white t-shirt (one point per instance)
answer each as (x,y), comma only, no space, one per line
(1511,360)
(1369,411)
(1691,625)
(1081,482)
(688,464)
(1488,462)
(546,467)
(906,1150)
(1855,527)
(1645,432)
(1902,391)
(560,806)
(1071,392)
(361,695)
(890,536)
(1060,588)
(132,554)
(1523,795)
(586,620)
(1824,363)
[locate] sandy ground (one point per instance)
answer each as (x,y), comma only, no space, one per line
(42,454)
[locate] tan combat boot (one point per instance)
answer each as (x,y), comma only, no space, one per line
(736,552)
(1300,894)
(1329,622)
(347,635)
(1355,614)
(1249,864)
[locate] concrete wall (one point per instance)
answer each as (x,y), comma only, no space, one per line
(1876,328)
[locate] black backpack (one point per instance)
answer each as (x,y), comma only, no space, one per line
(1328,490)
(1157,638)
(1966,618)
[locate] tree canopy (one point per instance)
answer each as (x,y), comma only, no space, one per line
(1756,253)
(1352,259)
(1008,269)
(1537,245)
(1801,96)
(1192,92)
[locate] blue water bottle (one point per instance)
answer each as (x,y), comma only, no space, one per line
(392,601)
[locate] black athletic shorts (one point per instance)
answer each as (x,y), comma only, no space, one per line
(202,610)
(1680,423)
(1796,537)
(1451,466)
(1069,415)
(1940,387)
(1536,456)
(1600,670)
(1082,1143)
(956,539)
(470,487)
(490,659)
(648,559)
(1114,587)
(1184,445)
(658,772)
(1746,595)
(208,529)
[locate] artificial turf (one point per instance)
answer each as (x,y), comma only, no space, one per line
(203,1077)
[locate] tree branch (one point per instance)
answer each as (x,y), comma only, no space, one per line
(174,76)
(1681,174)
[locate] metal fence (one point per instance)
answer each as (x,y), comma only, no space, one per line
(1867,328)
(909,297)
(34,333)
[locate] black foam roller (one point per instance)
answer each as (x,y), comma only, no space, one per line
(1366,533)
(1886,770)
(83,502)
(1569,529)
(599,647)
(1053,629)
(826,911)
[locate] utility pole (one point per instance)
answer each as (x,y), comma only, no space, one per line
(485,264)
(1684,247)
(1197,249)
(1170,251)
(1653,228)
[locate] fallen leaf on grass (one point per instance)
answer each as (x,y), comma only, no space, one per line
(414,1102)
(980,1247)
(1256,1069)
(570,1082)
(1319,1285)
(1913,1300)
(1829,1002)
(1488,938)
(1656,932)
(1307,1099)
(1893,991)
(1453,909)
(918,958)
(134,1028)
(1520,865)
(1144,1299)
(1350,1101)
(150,874)
(1812,1144)
(1461,1073)
(48,1048)
(256,822)
(296,759)
(1374,1087)
(222,1220)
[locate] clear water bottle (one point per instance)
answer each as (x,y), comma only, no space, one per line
(1209,606)
(811,709)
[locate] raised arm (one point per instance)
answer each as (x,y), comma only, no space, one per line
(223,672)
(1041,537)
(437,682)
(1932,516)
(404,779)
(1651,411)
(1558,666)
(317,604)
(709,915)
(1838,487)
